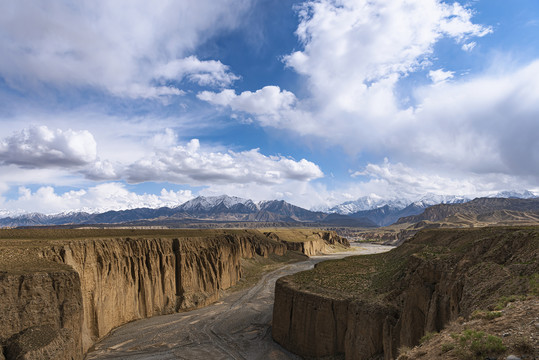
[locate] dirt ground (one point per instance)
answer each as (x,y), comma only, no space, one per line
(237,327)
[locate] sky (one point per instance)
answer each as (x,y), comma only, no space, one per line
(124,104)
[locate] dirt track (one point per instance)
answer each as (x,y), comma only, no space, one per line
(237,327)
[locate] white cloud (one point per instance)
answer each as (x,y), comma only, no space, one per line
(389,180)
(123,47)
(351,45)
(40,147)
(354,55)
(469,46)
(204,73)
(268,103)
(99,198)
(190,164)
(484,125)
(440,76)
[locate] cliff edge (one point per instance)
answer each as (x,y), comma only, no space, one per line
(367,307)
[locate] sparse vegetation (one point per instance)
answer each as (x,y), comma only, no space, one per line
(403,353)
(485,314)
(472,344)
(447,347)
(429,335)
(504,300)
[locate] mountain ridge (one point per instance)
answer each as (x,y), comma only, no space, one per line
(226,208)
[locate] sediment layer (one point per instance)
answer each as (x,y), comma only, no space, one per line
(368,307)
(60,296)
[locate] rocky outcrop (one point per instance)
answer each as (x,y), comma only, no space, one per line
(368,307)
(60,296)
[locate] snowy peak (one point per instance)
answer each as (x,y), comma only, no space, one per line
(368,203)
(515,194)
(434,199)
(208,203)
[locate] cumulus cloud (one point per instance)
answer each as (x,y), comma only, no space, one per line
(268,103)
(205,73)
(128,48)
(440,76)
(190,164)
(41,147)
(469,46)
(99,198)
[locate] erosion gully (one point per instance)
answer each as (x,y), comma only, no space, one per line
(237,327)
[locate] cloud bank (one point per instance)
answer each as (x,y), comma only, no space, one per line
(40,147)
(99,198)
(135,49)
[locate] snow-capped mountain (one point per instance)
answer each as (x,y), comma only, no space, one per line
(366,211)
(208,203)
(201,209)
(515,194)
(435,199)
(367,203)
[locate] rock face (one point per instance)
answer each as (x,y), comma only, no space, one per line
(72,292)
(368,307)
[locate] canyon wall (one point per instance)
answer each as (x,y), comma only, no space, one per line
(60,296)
(398,297)
(311,244)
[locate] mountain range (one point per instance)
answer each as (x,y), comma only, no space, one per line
(364,212)
(201,209)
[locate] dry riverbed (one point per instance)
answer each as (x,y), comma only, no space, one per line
(237,327)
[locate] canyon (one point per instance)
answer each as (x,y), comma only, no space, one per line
(63,290)
(238,326)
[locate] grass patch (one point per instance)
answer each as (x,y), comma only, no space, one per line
(447,347)
(485,314)
(504,300)
(474,345)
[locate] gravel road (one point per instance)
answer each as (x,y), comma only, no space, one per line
(237,327)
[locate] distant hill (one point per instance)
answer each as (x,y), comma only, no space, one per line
(481,207)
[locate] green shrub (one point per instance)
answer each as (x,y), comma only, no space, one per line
(504,300)
(429,335)
(447,347)
(474,345)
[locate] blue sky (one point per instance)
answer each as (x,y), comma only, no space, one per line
(112,105)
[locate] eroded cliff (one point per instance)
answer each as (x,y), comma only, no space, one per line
(308,242)
(369,306)
(62,290)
